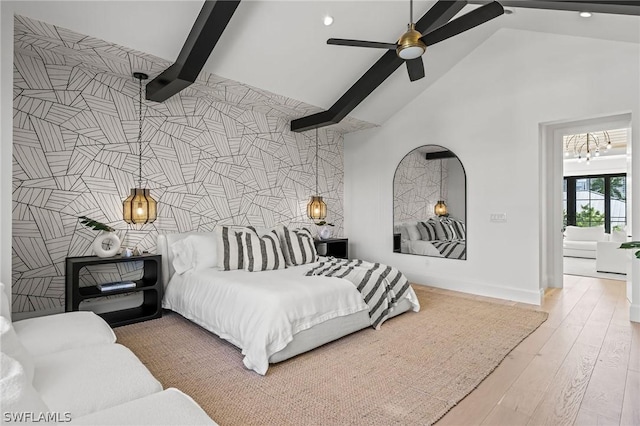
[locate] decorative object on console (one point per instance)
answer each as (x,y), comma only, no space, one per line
(325,230)
(440,209)
(316,209)
(139,207)
(107,243)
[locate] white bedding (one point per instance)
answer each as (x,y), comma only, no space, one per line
(421,247)
(276,305)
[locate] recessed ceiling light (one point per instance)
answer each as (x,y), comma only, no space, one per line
(328,20)
(585,14)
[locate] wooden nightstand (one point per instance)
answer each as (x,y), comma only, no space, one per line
(335,247)
(150,285)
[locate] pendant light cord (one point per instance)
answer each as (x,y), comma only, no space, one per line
(317,161)
(441,196)
(140,136)
(411,12)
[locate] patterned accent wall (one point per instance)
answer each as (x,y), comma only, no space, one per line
(416,187)
(218,152)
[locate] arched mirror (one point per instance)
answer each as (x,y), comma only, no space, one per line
(430,204)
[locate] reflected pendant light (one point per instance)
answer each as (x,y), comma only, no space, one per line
(440,208)
(316,209)
(139,207)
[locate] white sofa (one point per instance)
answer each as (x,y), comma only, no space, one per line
(583,241)
(67,368)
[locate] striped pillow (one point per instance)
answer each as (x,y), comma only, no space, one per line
(230,253)
(297,246)
(444,230)
(262,253)
(427,231)
(459,228)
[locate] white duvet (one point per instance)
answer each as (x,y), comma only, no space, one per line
(260,312)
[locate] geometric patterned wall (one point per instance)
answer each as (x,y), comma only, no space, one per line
(218,152)
(416,187)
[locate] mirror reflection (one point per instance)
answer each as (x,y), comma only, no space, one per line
(429,204)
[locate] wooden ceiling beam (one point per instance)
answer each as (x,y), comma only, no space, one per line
(205,33)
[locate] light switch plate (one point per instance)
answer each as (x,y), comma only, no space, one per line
(498,217)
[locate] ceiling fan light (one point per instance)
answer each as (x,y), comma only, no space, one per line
(410,52)
(409,45)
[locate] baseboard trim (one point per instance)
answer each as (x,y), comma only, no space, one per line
(634,313)
(532,297)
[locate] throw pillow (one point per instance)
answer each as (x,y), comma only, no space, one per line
(297,246)
(229,245)
(459,228)
(13,347)
(444,230)
(262,253)
(427,231)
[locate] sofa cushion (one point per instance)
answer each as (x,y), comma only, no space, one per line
(55,333)
(169,407)
(16,392)
(11,346)
(580,245)
(590,233)
(91,378)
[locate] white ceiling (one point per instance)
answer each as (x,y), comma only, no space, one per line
(280,46)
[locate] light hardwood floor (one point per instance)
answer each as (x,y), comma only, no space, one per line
(581,367)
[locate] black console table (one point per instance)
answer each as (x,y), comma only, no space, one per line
(150,284)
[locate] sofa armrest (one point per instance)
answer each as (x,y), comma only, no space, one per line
(55,333)
(169,407)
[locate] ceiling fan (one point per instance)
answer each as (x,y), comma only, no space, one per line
(412,44)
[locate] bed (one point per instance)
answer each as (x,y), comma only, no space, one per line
(270,315)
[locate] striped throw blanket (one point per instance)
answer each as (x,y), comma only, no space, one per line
(456,249)
(381,286)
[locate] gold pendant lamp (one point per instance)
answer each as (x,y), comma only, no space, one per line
(316,209)
(139,207)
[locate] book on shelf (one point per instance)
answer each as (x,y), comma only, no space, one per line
(117,285)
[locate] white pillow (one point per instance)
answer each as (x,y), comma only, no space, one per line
(197,251)
(619,236)
(16,391)
(12,346)
(5,302)
(579,233)
(412,231)
(262,253)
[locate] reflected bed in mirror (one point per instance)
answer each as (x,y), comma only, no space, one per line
(429,204)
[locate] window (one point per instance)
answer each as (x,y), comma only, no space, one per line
(595,200)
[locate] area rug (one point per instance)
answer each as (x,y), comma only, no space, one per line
(411,371)
(587,268)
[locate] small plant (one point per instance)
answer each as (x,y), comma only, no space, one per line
(323,223)
(632,245)
(98,226)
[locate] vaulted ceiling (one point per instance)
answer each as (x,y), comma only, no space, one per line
(280,46)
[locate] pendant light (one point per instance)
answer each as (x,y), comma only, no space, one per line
(316,209)
(139,207)
(440,208)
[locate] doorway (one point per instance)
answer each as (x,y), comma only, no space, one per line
(552,186)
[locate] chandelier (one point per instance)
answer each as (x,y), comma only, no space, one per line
(585,146)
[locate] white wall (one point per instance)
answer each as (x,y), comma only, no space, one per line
(487,110)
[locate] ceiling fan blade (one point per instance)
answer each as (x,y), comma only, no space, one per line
(415,67)
(361,43)
(439,14)
(466,22)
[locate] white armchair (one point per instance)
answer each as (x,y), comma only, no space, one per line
(610,257)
